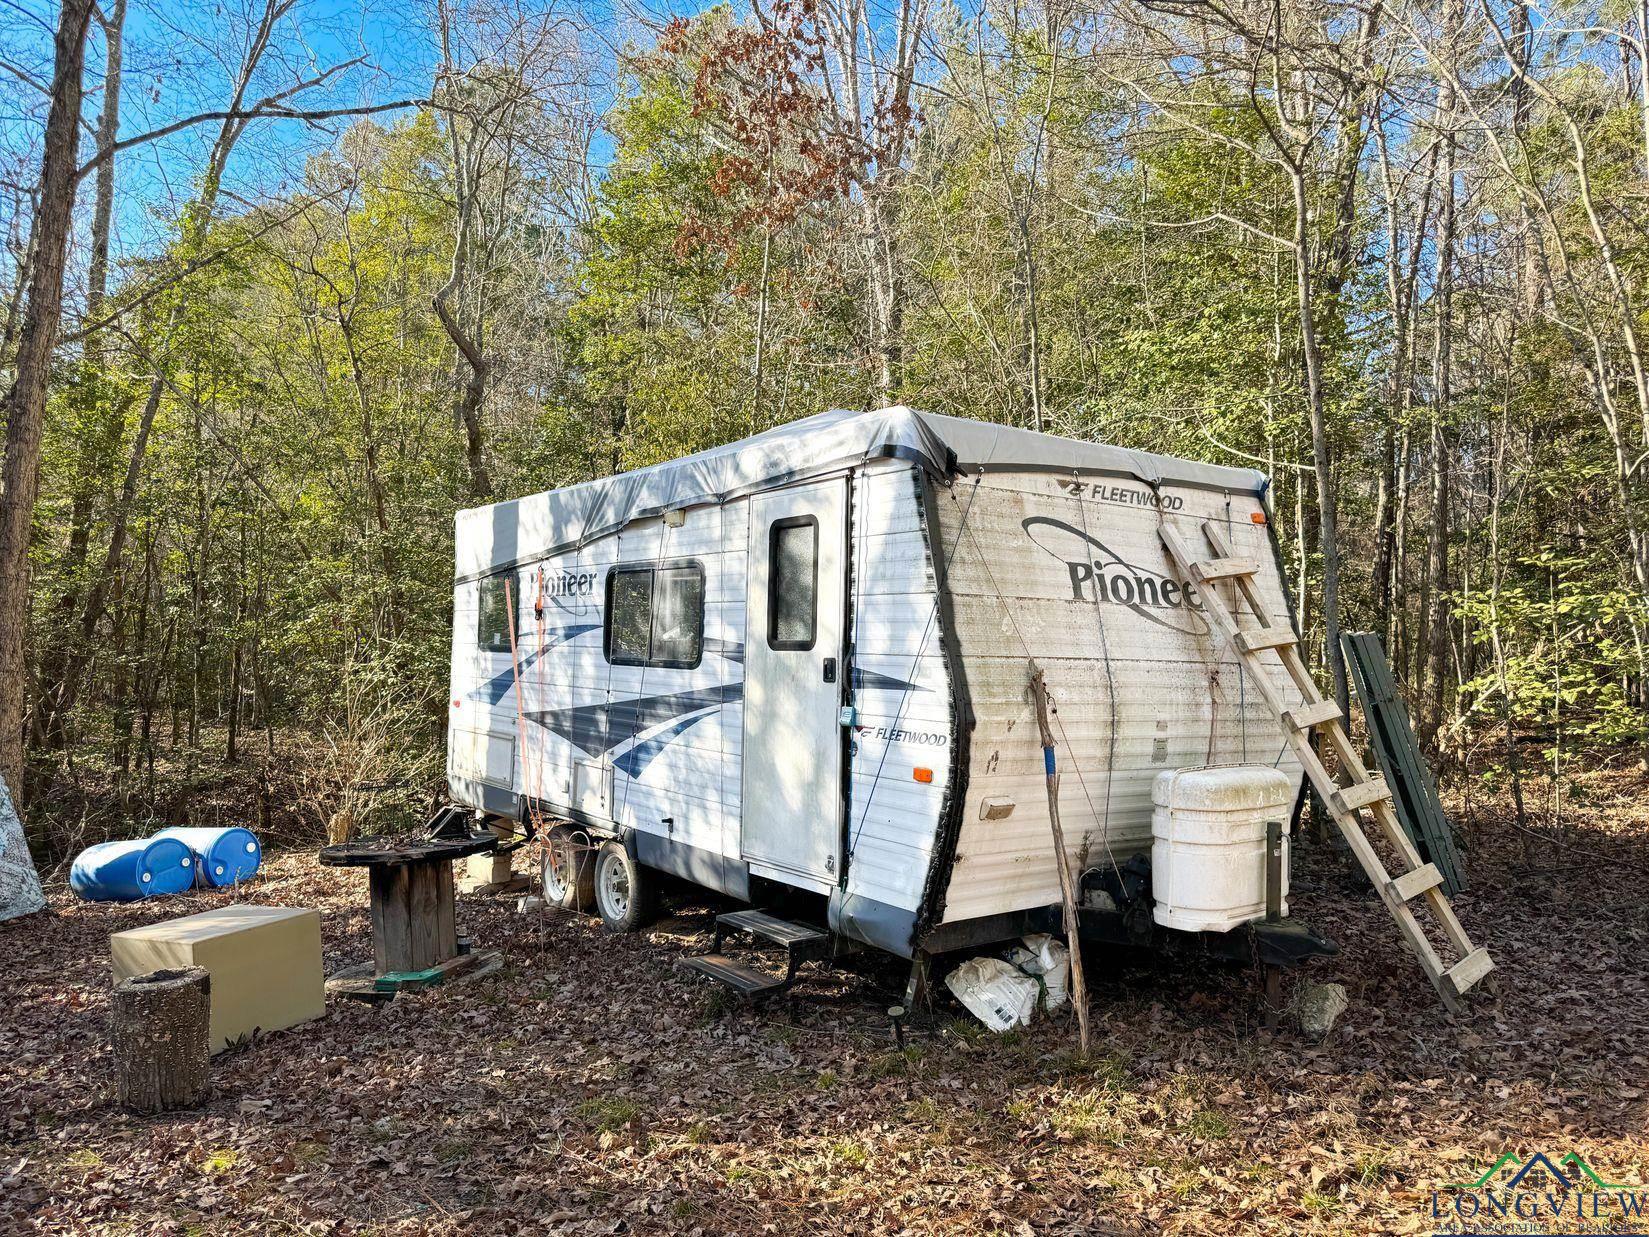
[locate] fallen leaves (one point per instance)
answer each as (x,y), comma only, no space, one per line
(587,1087)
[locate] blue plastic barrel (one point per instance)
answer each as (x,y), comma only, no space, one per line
(126,871)
(222,856)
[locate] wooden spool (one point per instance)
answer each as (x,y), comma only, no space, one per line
(160,1024)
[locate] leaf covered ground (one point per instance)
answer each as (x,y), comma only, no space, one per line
(589,1086)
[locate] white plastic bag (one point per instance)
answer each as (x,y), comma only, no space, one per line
(999,995)
(1046,958)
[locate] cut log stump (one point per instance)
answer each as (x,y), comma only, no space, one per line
(161,1027)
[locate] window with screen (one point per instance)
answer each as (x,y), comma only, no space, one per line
(492,627)
(655,615)
(793,583)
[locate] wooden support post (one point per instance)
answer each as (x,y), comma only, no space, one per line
(1273,996)
(918,994)
(1062,861)
(160,1024)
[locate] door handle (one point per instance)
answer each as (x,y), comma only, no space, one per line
(830,670)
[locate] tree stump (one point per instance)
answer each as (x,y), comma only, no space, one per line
(160,1024)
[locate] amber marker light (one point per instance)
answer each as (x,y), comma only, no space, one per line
(922,775)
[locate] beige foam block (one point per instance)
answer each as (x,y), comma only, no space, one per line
(265,963)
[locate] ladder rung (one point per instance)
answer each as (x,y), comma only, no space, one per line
(1412,884)
(1223,569)
(1309,715)
(1350,798)
(1466,972)
(1267,638)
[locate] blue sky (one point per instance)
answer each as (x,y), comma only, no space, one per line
(179,58)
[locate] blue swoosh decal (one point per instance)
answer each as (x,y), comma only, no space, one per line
(496,688)
(877,681)
(598,728)
(643,753)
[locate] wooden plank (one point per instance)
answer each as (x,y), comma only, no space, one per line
(1269,638)
(446,915)
(1210,570)
(392,922)
(1308,715)
(1442,910)
(423,903)
(1361,794)
(1465,973)
(1411,885)
(377,893)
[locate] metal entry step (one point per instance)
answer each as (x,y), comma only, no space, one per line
(803,942)
(746,980)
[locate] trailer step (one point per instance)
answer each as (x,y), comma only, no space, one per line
(796,937)
(745,980)
(801,942)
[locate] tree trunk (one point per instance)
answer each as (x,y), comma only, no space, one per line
(1322,454)
(26,407)
(55,668)
(161,1024)
(1436,617)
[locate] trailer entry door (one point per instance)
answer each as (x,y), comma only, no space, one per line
(792,689)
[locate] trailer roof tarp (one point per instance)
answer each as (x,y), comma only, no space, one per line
(500,536)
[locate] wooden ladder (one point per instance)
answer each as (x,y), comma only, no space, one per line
(1358,789)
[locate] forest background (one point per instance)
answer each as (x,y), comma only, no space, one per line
(289,282)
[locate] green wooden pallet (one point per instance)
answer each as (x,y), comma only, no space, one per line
(1414,789)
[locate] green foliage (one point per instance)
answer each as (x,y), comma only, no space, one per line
(1114,256)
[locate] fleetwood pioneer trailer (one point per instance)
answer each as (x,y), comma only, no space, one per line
(802,660)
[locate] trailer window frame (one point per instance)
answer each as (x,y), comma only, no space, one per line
(774,530)
(491,600)
(692,567)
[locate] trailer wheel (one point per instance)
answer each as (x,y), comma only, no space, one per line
(625,891)
(569,871)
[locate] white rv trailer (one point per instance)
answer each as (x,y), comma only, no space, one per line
(803,658)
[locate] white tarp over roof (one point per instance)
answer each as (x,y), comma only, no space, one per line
(498,536)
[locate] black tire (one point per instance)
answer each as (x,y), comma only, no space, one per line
(626,892)
(568,875)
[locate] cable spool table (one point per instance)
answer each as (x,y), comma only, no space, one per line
(414,927)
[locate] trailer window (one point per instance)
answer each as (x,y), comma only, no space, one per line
(492,627)
(655,615)
(793,583)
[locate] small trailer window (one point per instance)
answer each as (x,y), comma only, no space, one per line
(492,628)
(655,616)
(792,583)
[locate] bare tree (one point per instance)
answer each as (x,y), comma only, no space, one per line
(509,89)
(25,405)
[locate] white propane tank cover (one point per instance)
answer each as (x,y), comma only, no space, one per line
(1208,844)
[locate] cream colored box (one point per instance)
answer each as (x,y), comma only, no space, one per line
(265,963)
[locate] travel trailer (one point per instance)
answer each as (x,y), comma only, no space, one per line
(801,662)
